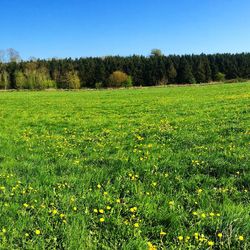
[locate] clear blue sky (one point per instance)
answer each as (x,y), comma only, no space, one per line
(75,28)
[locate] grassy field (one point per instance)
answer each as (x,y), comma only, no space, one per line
(156,168)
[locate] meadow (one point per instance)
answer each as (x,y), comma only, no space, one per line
(151,168)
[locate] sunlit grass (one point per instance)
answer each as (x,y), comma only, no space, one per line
(156,168)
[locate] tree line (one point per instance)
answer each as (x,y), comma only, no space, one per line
(117,71)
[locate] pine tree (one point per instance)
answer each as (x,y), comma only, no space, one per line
(171,72)
(185,74)
(200,72)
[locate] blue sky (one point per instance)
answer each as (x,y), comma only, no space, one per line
(80,28)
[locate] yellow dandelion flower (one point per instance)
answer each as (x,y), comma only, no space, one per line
(162,233)
(25,205)
(101,211)
(27,235)
(196,235)
(99,186)
(203,215)
(171,203)
(133,209)
(219,235)
(180,238)
(108,207)
(241,238)
(54,211)
(96,210)
(37,232)
(210,243)
(102,220)
(136,225)
(74,208)
(151,246)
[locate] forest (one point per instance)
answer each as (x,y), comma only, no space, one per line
(118,71)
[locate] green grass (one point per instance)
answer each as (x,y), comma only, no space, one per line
(179,155)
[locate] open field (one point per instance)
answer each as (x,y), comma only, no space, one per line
(126,169)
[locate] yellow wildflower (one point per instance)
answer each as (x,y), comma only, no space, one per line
(54,212)
(162,233)
(180,238)
(203,215)
(241,238)
(25,205)
(199,191)
(62,216)
(219,235)
(210,243)
(37,232)
(151,246)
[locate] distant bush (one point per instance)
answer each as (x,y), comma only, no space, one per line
(4,80)
(49,84)
(20,80)
(119,79)
(73,80)
(128,83)
(69,80)
(220,77)
(99,85)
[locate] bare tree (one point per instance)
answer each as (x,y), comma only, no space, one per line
(33,59)
(2,56)
(13,55)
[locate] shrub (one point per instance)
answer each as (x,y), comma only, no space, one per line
(220,77)
(119,79)
(98,85)
(128,83)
